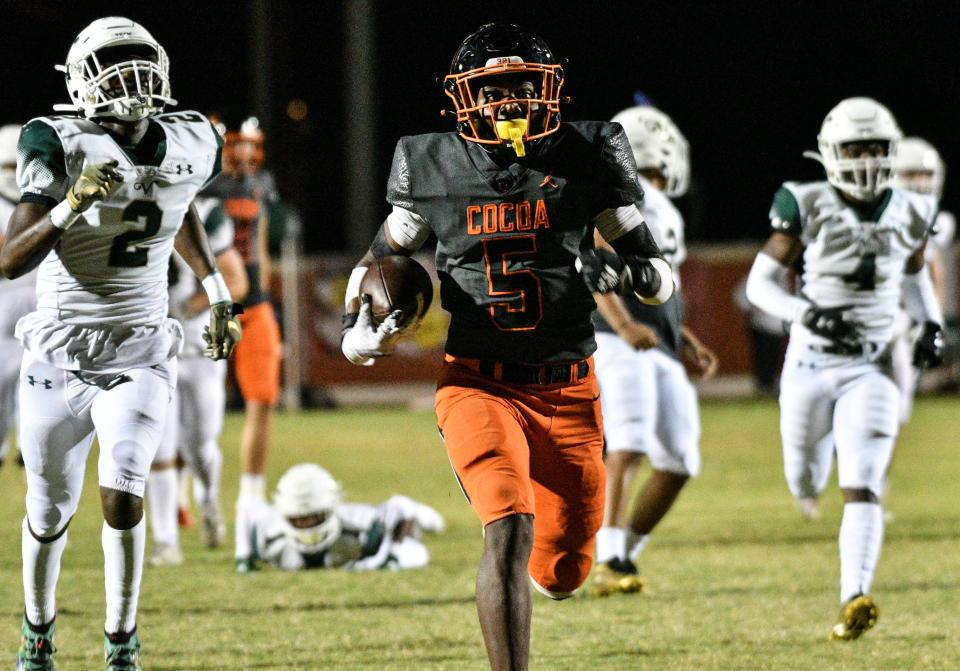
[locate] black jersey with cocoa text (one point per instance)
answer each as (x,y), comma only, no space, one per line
(508,235)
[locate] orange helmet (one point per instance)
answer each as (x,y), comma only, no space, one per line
(502,53)
(243,149)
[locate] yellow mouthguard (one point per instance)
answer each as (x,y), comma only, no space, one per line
(513,129)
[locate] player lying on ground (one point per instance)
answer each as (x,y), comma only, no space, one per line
(861,241)
(309,526)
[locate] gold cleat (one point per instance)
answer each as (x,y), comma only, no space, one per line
(857,615)
(616,577)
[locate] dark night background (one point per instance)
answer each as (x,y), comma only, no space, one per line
(748,87)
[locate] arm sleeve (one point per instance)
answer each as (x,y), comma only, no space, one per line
(41,165)
(920,298)
(785,213)
(614,223)
(765,289)
(399,190)
(621,186)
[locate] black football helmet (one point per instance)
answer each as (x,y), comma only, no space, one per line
(506,52)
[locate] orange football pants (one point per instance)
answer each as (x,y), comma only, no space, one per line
(256,359)
(530,449)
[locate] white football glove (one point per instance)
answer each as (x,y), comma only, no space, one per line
(363,342)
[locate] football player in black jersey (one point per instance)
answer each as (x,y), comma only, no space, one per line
(513,198)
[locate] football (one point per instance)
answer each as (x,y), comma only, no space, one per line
(397,283)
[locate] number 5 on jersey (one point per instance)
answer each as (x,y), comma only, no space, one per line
(517,299)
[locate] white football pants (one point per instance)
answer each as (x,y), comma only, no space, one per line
(649,405)
(59,413)
(832,402)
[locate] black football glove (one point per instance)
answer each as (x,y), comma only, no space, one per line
(832,324)
(605,271)
(928,352)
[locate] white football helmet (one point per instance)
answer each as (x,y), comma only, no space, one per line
(858,120)
(658,143)
(104,81)
(918,167)
(308,490)
(9,137)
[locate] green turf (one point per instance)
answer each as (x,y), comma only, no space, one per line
(737,579)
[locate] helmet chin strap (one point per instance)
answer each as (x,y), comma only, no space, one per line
(513,130)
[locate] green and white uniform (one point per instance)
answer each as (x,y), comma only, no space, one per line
(102,291)
(649,405)
(100,347)
(833,400)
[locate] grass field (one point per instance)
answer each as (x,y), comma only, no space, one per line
(737,579)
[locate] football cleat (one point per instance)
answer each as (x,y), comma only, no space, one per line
(857,615)
(214,531)
(120,654)
(36,647)
(617,576)
(165,555)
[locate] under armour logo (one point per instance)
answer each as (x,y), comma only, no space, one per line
(47,384)
(184,169)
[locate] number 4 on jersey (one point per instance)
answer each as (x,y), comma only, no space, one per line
(864,278)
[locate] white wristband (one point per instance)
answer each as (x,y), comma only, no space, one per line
(216,288)
(666,283)
(62,216)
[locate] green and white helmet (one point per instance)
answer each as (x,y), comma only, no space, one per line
(858,120)
(116,69)
(918,167)
(658,143)
(308,493)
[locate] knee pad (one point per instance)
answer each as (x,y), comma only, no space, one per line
(125,466)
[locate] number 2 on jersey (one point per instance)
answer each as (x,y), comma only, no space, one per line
(517,298)
(123,252)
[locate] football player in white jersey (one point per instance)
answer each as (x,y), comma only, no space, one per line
(649,405)
(309,526)
(106,193)
(919,168)
(861,240)
(17,297)
(196,414)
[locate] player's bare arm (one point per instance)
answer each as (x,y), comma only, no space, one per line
(697,355)
(224,332)
(234,274)
(36,227)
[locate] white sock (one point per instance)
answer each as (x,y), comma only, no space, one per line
(183,487)
(122,571)
(861,535)
(206,481)
(162,506)
(611,544)
(253,485)
(635,544)
(41,569)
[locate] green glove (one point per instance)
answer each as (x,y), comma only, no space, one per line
(96,182)
(224,331)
